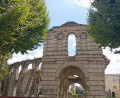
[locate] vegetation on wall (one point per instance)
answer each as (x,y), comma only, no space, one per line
(104,23)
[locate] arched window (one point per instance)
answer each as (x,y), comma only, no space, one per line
(71,45)
(19,69)
(60,36)
(40,65)
(30,66)
(12,70)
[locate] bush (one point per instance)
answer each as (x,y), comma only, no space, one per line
(0,93)
(74,95)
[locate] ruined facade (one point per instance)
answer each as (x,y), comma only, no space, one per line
(59,69)
(27,82)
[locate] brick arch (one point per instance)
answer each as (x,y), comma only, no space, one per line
(63,85)
(83,35)
(70,71)
(60,36)
(70,34)
(56,35)
(74,64)
(74,33)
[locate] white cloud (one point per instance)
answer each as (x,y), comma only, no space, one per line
(31,55)
(30,66)
(16,58)
(74,44)
(71,37)
(83,3)
(114,65)
(35,54)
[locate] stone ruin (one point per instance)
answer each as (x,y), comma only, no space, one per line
(58,68)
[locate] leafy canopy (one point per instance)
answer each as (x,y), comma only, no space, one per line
(4,66)
(104,22)
(23,24)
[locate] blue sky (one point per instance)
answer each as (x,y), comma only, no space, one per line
(61,11)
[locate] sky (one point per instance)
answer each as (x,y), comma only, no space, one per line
(60,12)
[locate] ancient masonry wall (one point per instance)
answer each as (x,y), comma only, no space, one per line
(24,81)
(88,58)
(89,62)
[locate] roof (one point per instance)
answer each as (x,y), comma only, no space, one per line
(114,75)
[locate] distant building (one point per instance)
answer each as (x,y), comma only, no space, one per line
(112,82)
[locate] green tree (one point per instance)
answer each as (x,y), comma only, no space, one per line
(3,72)
(74,95)
(4,66)
(23,24)
(104,22)
(78,90)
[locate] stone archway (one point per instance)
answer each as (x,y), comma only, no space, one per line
(79,65)
(67,70)
(68,77)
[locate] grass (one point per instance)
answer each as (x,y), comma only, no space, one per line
(82,97)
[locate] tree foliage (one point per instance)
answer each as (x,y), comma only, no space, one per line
(74,95)
(78,90)
(3,72)
(23,24)
(4,66)
(104,22)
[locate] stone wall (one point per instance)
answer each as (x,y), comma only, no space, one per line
(112,82)
(88,64)
(89,60)
(24,81)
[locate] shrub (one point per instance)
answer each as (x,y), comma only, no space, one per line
(74,95)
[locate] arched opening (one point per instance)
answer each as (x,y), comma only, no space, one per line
(30,66)
(12,70)
(71,45)
(19,69)
(40,65)
(70,75)
(77,89)
(113,94)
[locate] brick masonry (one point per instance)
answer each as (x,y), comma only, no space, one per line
(88,64)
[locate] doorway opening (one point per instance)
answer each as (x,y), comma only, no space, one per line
(72,81)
